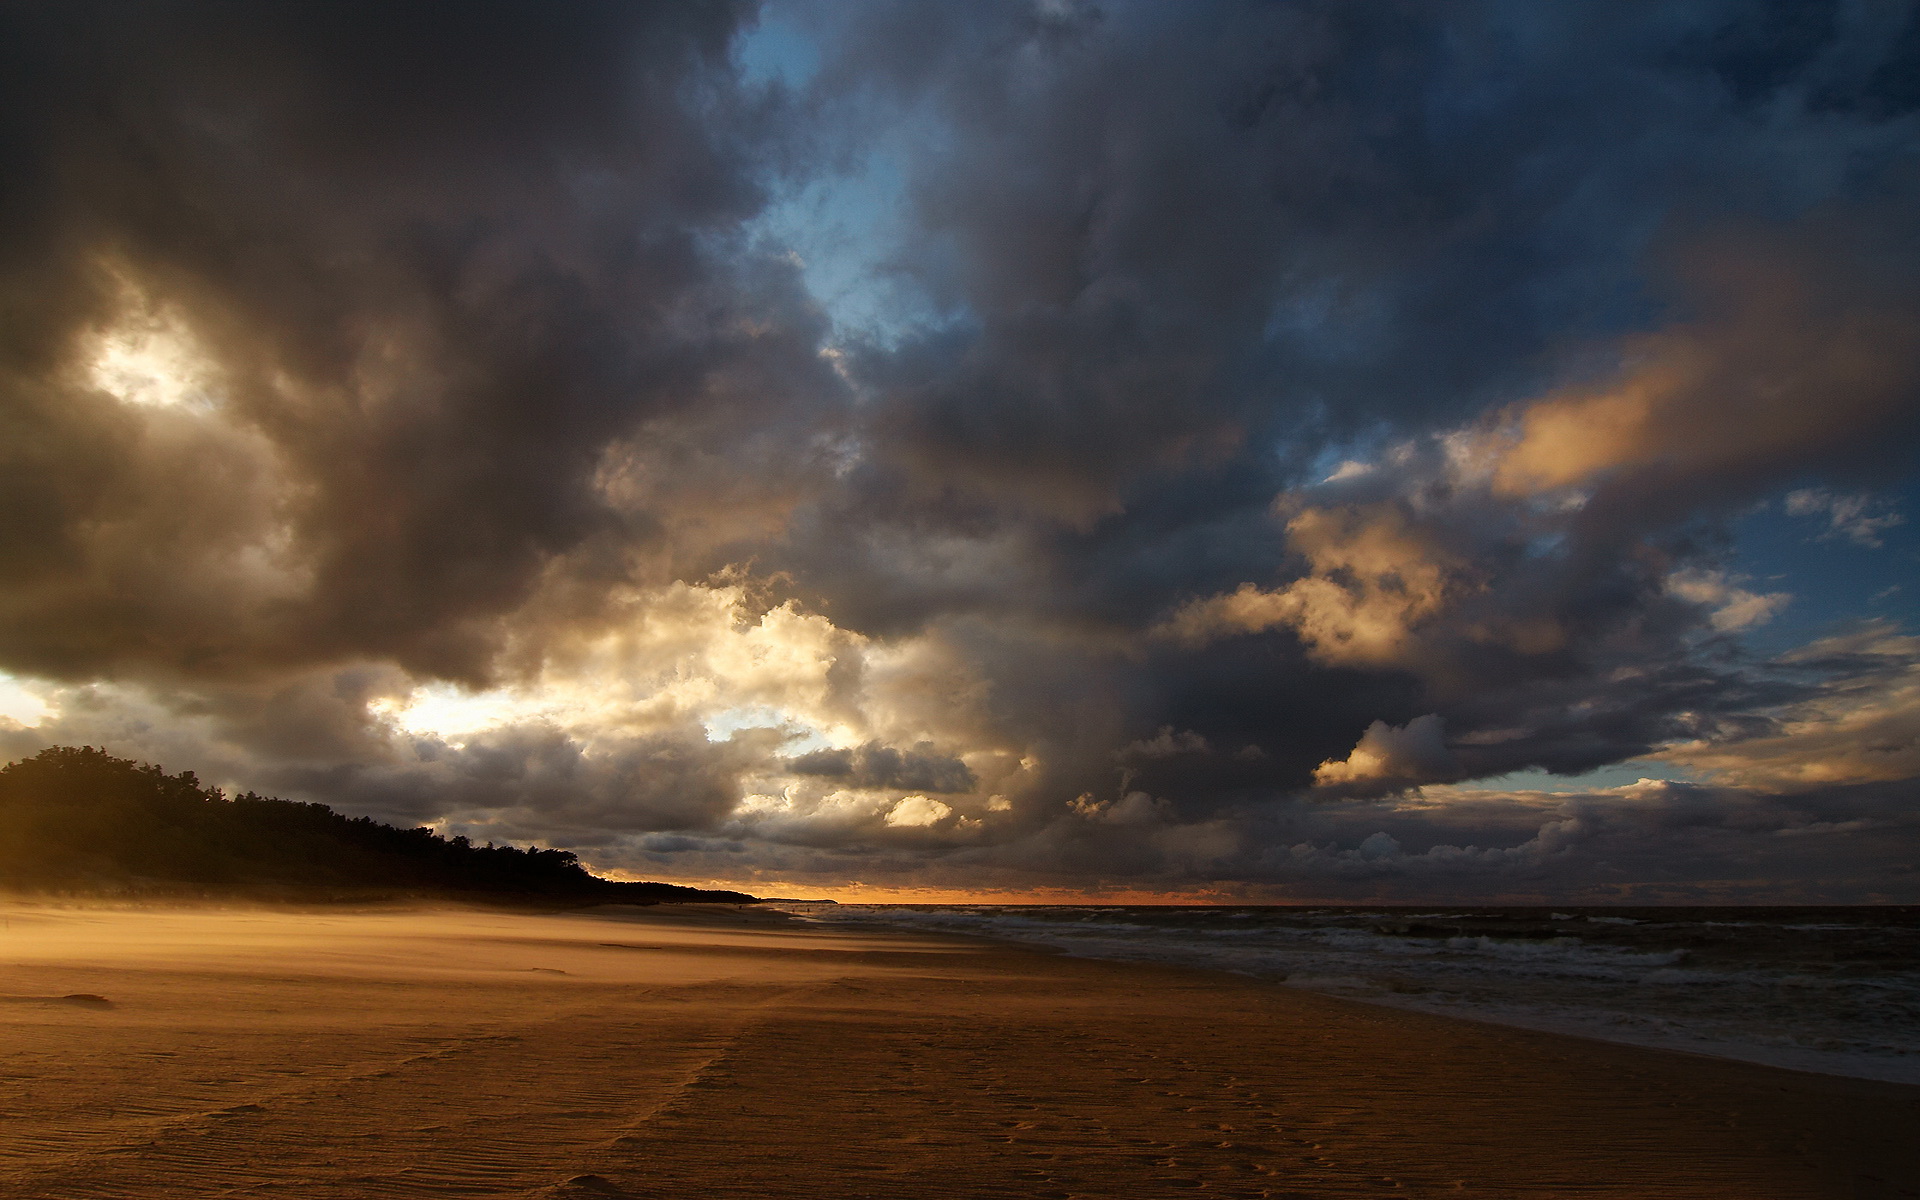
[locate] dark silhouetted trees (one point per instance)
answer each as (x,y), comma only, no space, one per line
(80,819)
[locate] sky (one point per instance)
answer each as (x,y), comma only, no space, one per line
(1022,451)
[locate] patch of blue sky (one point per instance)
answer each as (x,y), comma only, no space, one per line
(1328,460)
(1334,319)
(1835,579)
(777,50)
(841,224)
(847,221)
(844,228)
(801,737)
(1620,774)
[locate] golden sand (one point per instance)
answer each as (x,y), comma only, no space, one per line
(688,1054)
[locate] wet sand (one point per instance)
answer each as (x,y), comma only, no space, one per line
(687,1054)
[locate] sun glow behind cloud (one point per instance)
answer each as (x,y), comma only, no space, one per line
(21,705)
(446,711)
(150,357)
(691,661)
(668,656)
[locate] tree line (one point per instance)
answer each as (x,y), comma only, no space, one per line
(79,819)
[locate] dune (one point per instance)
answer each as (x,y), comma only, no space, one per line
(712,1051)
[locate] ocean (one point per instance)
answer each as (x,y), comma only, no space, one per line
(1833,990)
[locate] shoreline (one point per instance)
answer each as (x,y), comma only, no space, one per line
(1590,1025)
(711,1051)
(1759,1056)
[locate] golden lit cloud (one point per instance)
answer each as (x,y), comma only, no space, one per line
(918,811)
(1565,440)
(1392,756)
(779,685)
(1786,361)
(667,657)
(1731,607)
(1864,729)
(1373,580)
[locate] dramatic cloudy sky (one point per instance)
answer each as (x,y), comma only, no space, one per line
(1285,450)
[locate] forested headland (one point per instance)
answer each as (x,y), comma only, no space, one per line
(79,820)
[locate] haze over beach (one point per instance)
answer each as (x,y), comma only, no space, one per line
(1381,502)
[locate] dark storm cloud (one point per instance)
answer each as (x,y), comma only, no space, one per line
(1158,239)
(1168,264)
(1656,843)
(532,783)
(1257,412)
(877,766)
(441,258)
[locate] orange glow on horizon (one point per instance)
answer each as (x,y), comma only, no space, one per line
(859,893)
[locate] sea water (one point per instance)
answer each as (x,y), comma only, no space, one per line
(1834,990)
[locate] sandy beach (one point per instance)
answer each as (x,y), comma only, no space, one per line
(714,1052)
